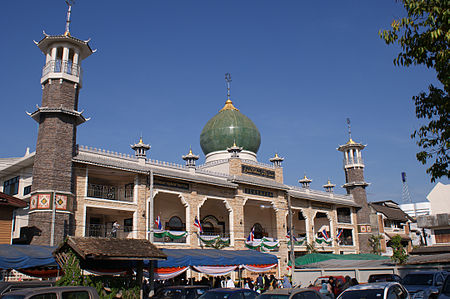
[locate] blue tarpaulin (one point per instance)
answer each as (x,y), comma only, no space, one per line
(25,256)
(28,256)
(214,257)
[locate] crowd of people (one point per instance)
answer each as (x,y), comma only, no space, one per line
(332,288)
(260,285)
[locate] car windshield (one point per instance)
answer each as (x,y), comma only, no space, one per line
(418,279)
(216,295)
(320,281)
(363,294)
(273,296)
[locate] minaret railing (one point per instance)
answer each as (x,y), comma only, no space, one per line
(62,66)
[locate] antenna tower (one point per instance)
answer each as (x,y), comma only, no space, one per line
(406,197)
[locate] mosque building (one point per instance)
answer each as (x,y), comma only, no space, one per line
(232,201)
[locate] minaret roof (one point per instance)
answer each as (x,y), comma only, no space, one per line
(305,180)
(83,45)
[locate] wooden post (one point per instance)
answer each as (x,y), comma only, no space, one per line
(151,278)
(139,276)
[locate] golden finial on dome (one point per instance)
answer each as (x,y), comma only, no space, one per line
(228,106)
(351,141)
(141,141)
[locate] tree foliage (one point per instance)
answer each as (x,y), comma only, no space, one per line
(108,287)
(424,36)
(374,243)
(399,255)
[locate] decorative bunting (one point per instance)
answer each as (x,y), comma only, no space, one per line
(263,244)
(171,234)
(212,239)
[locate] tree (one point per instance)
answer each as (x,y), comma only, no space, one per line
(424,36)
(311,248)
(399,255)
(374,243)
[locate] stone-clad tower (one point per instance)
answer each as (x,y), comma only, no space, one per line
(52,197)
(356,185)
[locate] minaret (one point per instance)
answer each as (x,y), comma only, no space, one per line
(305,182)
(356,186)
(52,197)
(329,187)
(140,150)
(190,159)
(276,160)
(234,150)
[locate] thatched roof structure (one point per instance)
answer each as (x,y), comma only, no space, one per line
(111,249)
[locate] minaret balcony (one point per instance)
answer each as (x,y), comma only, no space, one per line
(353,162)
(62,69)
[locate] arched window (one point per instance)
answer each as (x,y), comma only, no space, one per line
(211,224)
(175,223)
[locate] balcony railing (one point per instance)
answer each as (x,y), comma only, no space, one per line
(110,192)
(352,161)
(106,231)
(62,66)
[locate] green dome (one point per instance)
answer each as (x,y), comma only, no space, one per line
(227,127)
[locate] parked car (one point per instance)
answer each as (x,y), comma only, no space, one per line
(384,277)
(9,286)
(424,284)
(324,279)
(377,290)
(290,293)
(226,293)
(54,293)
(181,292)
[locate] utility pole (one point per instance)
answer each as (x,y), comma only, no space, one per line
(291,236)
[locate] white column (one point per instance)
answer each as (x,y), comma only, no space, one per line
(76,56)
(65,58)
(48,57)
(346,157)
(351,156)
(65,55)
(53,55)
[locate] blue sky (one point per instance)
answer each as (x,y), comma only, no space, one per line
(299,69)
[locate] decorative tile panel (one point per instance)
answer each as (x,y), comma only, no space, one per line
(61,202)
(33,202)
(44,201)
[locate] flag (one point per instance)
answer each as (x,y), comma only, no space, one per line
(251,235)
(339,234)
(325,234)
(198,224)
(158,223)
(288,235)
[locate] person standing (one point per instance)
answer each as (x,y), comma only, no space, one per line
(115,228)
(230,283)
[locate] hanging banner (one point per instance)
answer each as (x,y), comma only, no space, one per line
(215,270)
(259,268)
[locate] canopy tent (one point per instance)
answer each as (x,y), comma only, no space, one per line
(212,261)
(313,258)
(26,256)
